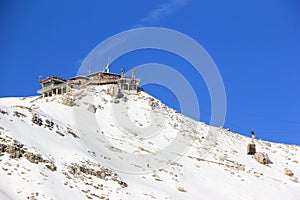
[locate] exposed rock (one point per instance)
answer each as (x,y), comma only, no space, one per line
(3,148)
(295,179)
(262,158)
(49,124)
(15,154)
(71,132)
(79,171)
(288,172)
(123,184)
(3,112)
(36,119)
(17,150)
(60,133)
(103,100)
(100,107)
(115,100)
(34,158)
(18,114)
(67,101)
(51,166)
(114,91)
(153,103)
(181,189)
(92,108)
(14,151)
(124,99)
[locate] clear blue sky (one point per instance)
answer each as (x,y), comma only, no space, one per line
(255,44)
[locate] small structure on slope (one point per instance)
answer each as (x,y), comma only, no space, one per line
(258,156)
(251,148)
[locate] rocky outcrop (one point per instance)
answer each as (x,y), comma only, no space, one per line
(92,108)
(80,171)
(262,158)
(152,103)
(292,176)
(34,158)
(17,150)
(114,91)
(19,114)
(14,151)
(51,166)
(3,112)
(288,172)
(67,100)
(71,132)
(36,119)
(49,124)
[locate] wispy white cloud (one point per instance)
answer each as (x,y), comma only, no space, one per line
(161,11)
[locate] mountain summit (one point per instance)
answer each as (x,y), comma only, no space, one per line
(96,143)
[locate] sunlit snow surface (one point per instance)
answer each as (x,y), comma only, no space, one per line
(207,163)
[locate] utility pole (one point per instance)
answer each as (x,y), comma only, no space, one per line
(133,73)
(122,72)
(107,66)
(253,136)
(251,149)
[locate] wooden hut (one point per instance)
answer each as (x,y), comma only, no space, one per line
(53,85)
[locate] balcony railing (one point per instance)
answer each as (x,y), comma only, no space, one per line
(50,88)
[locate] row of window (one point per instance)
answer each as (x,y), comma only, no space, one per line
(128,87)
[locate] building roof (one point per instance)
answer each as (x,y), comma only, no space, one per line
(103,73)
(79,77)
(55,78)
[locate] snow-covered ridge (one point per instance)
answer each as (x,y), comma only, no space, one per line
(45,155)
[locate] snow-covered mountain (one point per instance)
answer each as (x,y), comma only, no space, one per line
(79,146)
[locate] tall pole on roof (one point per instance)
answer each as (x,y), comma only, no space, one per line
(253,136)
(122,72)
(107,66)
(133,73)
(40,76)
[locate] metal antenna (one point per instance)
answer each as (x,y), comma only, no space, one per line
(253,136)
(122,72)
(133,73)
(107,66)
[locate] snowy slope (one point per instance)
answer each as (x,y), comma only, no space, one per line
(73,146)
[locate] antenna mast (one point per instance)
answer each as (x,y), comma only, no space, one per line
(253,136)
(107,66)
(251,149)
(133,73)
(122,72)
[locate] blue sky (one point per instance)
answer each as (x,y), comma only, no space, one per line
(255,45)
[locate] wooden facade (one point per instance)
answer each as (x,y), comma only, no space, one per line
(53,85)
